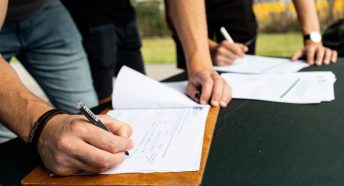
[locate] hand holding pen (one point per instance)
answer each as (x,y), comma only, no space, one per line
(69,144)
(226,52)
(92,117)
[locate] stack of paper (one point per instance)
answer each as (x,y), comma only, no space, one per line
(263,65)
(301,87)
(168,127)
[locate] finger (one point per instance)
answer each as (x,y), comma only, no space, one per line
(236,50)
(123,130)
(226,95)
(100,138)
(116,127)
(244,48)
(71,165)
(222,61)
(310,55)
(95,157)
(320,52)
(64,165)
(217,90)
(207,88)
(232,47)
(241,49)
(327,57)
(59,164)
(224,52)
(82,166)
(64,171)
(297,55)
(334,56)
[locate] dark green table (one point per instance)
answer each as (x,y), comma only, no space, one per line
(265,143)
(255,143)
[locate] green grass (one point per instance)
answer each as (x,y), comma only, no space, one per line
(162,50)
(281,45)
(159,50)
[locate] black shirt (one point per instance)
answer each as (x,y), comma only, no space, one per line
(99,12)
(21,9)
(236,15)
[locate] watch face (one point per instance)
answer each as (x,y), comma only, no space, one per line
(315,37)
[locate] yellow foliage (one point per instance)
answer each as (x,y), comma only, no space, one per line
(264,11)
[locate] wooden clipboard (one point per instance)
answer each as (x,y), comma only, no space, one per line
(39,176)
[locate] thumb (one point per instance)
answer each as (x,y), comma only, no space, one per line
(297,55)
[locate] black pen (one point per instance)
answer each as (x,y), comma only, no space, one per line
(92,117)
(198,95)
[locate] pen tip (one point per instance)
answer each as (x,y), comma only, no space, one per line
(126,153)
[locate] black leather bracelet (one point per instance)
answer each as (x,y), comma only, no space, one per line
(39,125)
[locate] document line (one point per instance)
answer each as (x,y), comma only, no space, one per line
(292,86)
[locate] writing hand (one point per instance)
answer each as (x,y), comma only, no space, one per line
(225,53)
(70,144)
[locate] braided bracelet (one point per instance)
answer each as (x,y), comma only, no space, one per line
(39,125)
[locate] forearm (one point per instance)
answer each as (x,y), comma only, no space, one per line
(19,107)
(188,18)
(314,51)
(307,15)
(3,11)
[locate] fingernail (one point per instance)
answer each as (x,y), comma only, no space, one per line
(223,103)
(215,103)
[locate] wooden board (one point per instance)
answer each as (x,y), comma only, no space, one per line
(39,176)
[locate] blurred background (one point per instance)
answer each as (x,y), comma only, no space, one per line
(282,40)
(159,50)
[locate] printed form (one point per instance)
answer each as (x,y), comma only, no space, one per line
(300,87)
(168,127)
(166,140)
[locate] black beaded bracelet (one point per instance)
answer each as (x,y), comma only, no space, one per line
(39,125)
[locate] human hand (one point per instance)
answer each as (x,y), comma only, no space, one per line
(213,87)
(316,54)
(69,144)
(225,53)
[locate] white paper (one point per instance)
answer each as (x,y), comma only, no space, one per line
(302,87)
(134,90)
(179,86)
(166,140)
(168,127)
(251,64)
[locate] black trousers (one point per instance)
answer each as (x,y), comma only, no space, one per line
(108,48)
